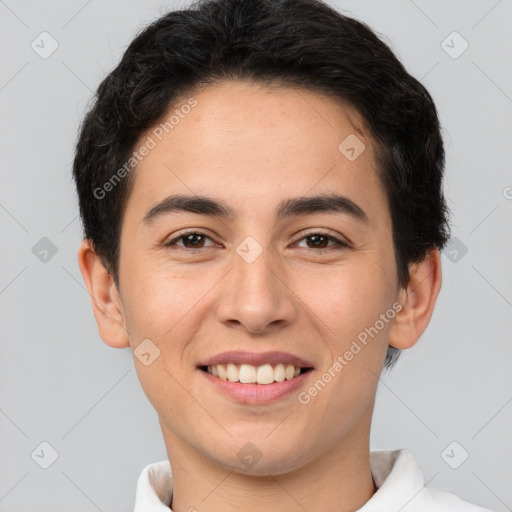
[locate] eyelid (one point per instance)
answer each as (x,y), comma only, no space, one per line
(323,232)
(312,231)
(186,233)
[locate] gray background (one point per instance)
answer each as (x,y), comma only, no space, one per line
(61,384)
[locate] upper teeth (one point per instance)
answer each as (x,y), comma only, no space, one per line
(246,373)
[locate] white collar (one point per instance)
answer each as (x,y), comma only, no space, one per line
(397,476)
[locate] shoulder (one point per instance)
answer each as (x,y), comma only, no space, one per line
(433,500)
(401,487)
(154,488)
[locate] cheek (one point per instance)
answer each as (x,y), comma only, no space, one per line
(348,307)
(159,309)
(158,300)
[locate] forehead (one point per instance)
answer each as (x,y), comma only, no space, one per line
(233,112)
(246,143)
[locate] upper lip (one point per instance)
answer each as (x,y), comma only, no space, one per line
(256,359)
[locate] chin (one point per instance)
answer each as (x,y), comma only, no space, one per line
(265,467)
(260,458)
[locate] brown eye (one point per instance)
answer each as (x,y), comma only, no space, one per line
(318,241)
(191,240)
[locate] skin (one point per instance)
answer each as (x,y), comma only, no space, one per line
(253,146)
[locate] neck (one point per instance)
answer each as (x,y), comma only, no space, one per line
(338,479)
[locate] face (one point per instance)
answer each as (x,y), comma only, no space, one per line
(304,280)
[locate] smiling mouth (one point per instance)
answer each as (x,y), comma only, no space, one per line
(249,374)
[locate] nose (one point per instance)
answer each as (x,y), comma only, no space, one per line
(255,295)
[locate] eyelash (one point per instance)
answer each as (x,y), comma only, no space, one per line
(340,244)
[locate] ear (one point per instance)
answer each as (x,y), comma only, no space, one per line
(417,300)
(106,304)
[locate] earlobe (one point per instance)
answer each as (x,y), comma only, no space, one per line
(418,301)
(106,304)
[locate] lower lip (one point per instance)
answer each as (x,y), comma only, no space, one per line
(257,393)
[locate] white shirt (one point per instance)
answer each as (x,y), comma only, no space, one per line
(397,476)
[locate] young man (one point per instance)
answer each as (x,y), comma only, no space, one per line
(261,190)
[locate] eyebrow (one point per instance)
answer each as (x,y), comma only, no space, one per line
(292,207)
